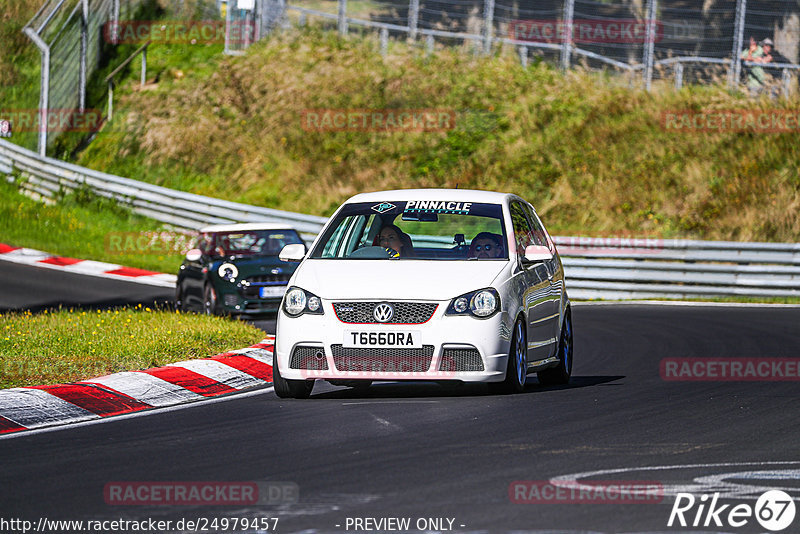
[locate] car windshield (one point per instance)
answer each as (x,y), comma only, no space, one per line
(415,229)
(247,243)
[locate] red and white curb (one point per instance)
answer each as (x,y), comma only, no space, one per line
(28,408)
(29,256)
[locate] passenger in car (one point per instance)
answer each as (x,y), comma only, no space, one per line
(393,237)
(486,245)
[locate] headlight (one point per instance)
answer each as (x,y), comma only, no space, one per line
(482,303)
(297,302)
(228,271)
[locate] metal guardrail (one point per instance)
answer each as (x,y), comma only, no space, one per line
(607,268)
(47,177)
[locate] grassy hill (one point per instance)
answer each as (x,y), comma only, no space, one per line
(586,149)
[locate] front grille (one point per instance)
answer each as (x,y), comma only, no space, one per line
(404,312)
(304,357)
(250,292)
(382,360)
(461,360)
(230,299)
(264,278)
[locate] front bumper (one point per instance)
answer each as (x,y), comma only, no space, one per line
(238,301)
(311,347)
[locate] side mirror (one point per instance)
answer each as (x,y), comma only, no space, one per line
(294,253)
(536,254)
(194,255)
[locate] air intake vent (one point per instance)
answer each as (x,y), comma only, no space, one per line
(454,360)
(383,360)
(310,358)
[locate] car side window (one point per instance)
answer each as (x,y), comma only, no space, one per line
(523,236)
(539,234)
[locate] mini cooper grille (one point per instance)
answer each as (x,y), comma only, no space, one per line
(261,278)
(309,358)
(404,312)
(461,360)
(230,300)
(383,360)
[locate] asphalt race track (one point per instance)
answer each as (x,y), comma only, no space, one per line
(430,451)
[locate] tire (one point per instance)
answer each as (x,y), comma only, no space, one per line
(290,389)
(180,302)
(210,300)
(517,368)
(560,375)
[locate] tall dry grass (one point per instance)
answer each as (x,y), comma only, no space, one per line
(587,150)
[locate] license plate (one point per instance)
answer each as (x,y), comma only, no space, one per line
(271,291)
(409,339)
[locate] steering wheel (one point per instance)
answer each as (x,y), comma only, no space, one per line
(375,253)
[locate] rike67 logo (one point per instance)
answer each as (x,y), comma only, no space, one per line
(774,510)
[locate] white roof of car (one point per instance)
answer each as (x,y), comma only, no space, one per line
(455,195)
(242,227)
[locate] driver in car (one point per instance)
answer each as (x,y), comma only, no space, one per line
(486,245)
(394,238)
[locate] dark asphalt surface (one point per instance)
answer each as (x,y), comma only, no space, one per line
(428,451)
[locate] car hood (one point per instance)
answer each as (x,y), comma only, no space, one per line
(395,279)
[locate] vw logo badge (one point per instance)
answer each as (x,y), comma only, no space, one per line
(383,312)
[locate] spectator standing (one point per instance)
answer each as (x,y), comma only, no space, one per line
(755,75)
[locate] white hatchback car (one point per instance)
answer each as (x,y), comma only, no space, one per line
(425,284)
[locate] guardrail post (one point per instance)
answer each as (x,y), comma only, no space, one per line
(738,38)
(413,19)
(488,25)
(342,17)
(84,48)
(649,45)
(228,19)
(110,100)
(523,56)
(566,46)
(384,39)
(429,45)
(44,88)
(301,19)
(144,66)
(678,76)
(787,83)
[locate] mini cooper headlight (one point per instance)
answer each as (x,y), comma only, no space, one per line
(228,271)
(297,302)
(481,304)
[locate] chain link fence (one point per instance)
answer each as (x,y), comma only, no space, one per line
(677,40)
(72,36)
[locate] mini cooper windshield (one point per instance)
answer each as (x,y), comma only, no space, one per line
(415,229)
(247,243)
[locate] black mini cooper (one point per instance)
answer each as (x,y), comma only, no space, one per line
(234,269)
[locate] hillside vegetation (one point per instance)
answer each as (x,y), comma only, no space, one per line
(589,151)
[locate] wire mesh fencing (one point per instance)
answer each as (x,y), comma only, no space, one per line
(73,38)
(683,41)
